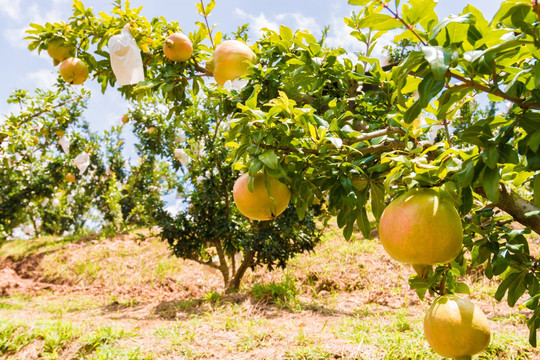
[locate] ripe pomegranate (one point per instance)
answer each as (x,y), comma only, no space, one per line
(59,50)
(258,205)
(178,47)
(74,71)
(421,228)
(456,328)
(231,60)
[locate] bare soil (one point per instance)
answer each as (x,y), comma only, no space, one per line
(338,285)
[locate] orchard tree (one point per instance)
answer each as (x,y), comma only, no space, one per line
(58,177)
(358,133)
(206,227)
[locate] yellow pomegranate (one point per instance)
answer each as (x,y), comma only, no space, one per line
(74,71)
(59,50)
(178,47)
(258,205)
(456,328)
(421,228)
(70,177)
(231,60)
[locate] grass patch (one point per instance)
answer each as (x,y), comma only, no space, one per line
(308,353)
(18,248)
(13,336)
(394,337)
(102,336)
(108,352)
(179,333)
(56,334)
(284,294)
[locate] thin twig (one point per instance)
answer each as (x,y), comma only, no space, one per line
(207,25)
(408,26)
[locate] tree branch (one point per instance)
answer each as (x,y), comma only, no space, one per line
(516,206)
(202,69)
(496,92)
(375,134)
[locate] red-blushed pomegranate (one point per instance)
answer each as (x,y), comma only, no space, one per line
(456,328)
(231,60)
(258,205)
(178,47)
(421,228)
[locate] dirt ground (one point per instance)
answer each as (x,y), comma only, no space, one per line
(351,302)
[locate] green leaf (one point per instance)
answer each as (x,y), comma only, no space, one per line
(428,88)
(348,230)
(466,200)
(536,190)
(490,183)
(255,167)
(379,22)
(438,59)
(419,285)
(516,289)
(462,288)
(501,290)
(377,199)
(285,33)
(270,159)
(252,101)
(533,323)
(463,19)
(491,156)
(537,74)
(78,5)
(363,223)
(419,12)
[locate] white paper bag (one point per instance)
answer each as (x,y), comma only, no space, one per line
(126,60)
(82,161)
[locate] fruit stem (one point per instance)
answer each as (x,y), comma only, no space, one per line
(422,270)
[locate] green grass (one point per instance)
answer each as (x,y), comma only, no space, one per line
(56,335)
(308,353)
(108,352)
(178,333)
(395,337)
(18,248)
(13,336)
(105,335)
(283,294)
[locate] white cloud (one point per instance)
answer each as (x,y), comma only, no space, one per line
(339,36)
(257,22)
(301,22)
(33,13)
(11,8)
(44,78)
(15,37)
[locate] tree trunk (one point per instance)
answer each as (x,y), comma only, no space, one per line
(234,285)
(516,206)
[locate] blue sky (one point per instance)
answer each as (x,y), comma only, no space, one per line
(21,68)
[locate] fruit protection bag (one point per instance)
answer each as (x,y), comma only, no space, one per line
(126,60)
